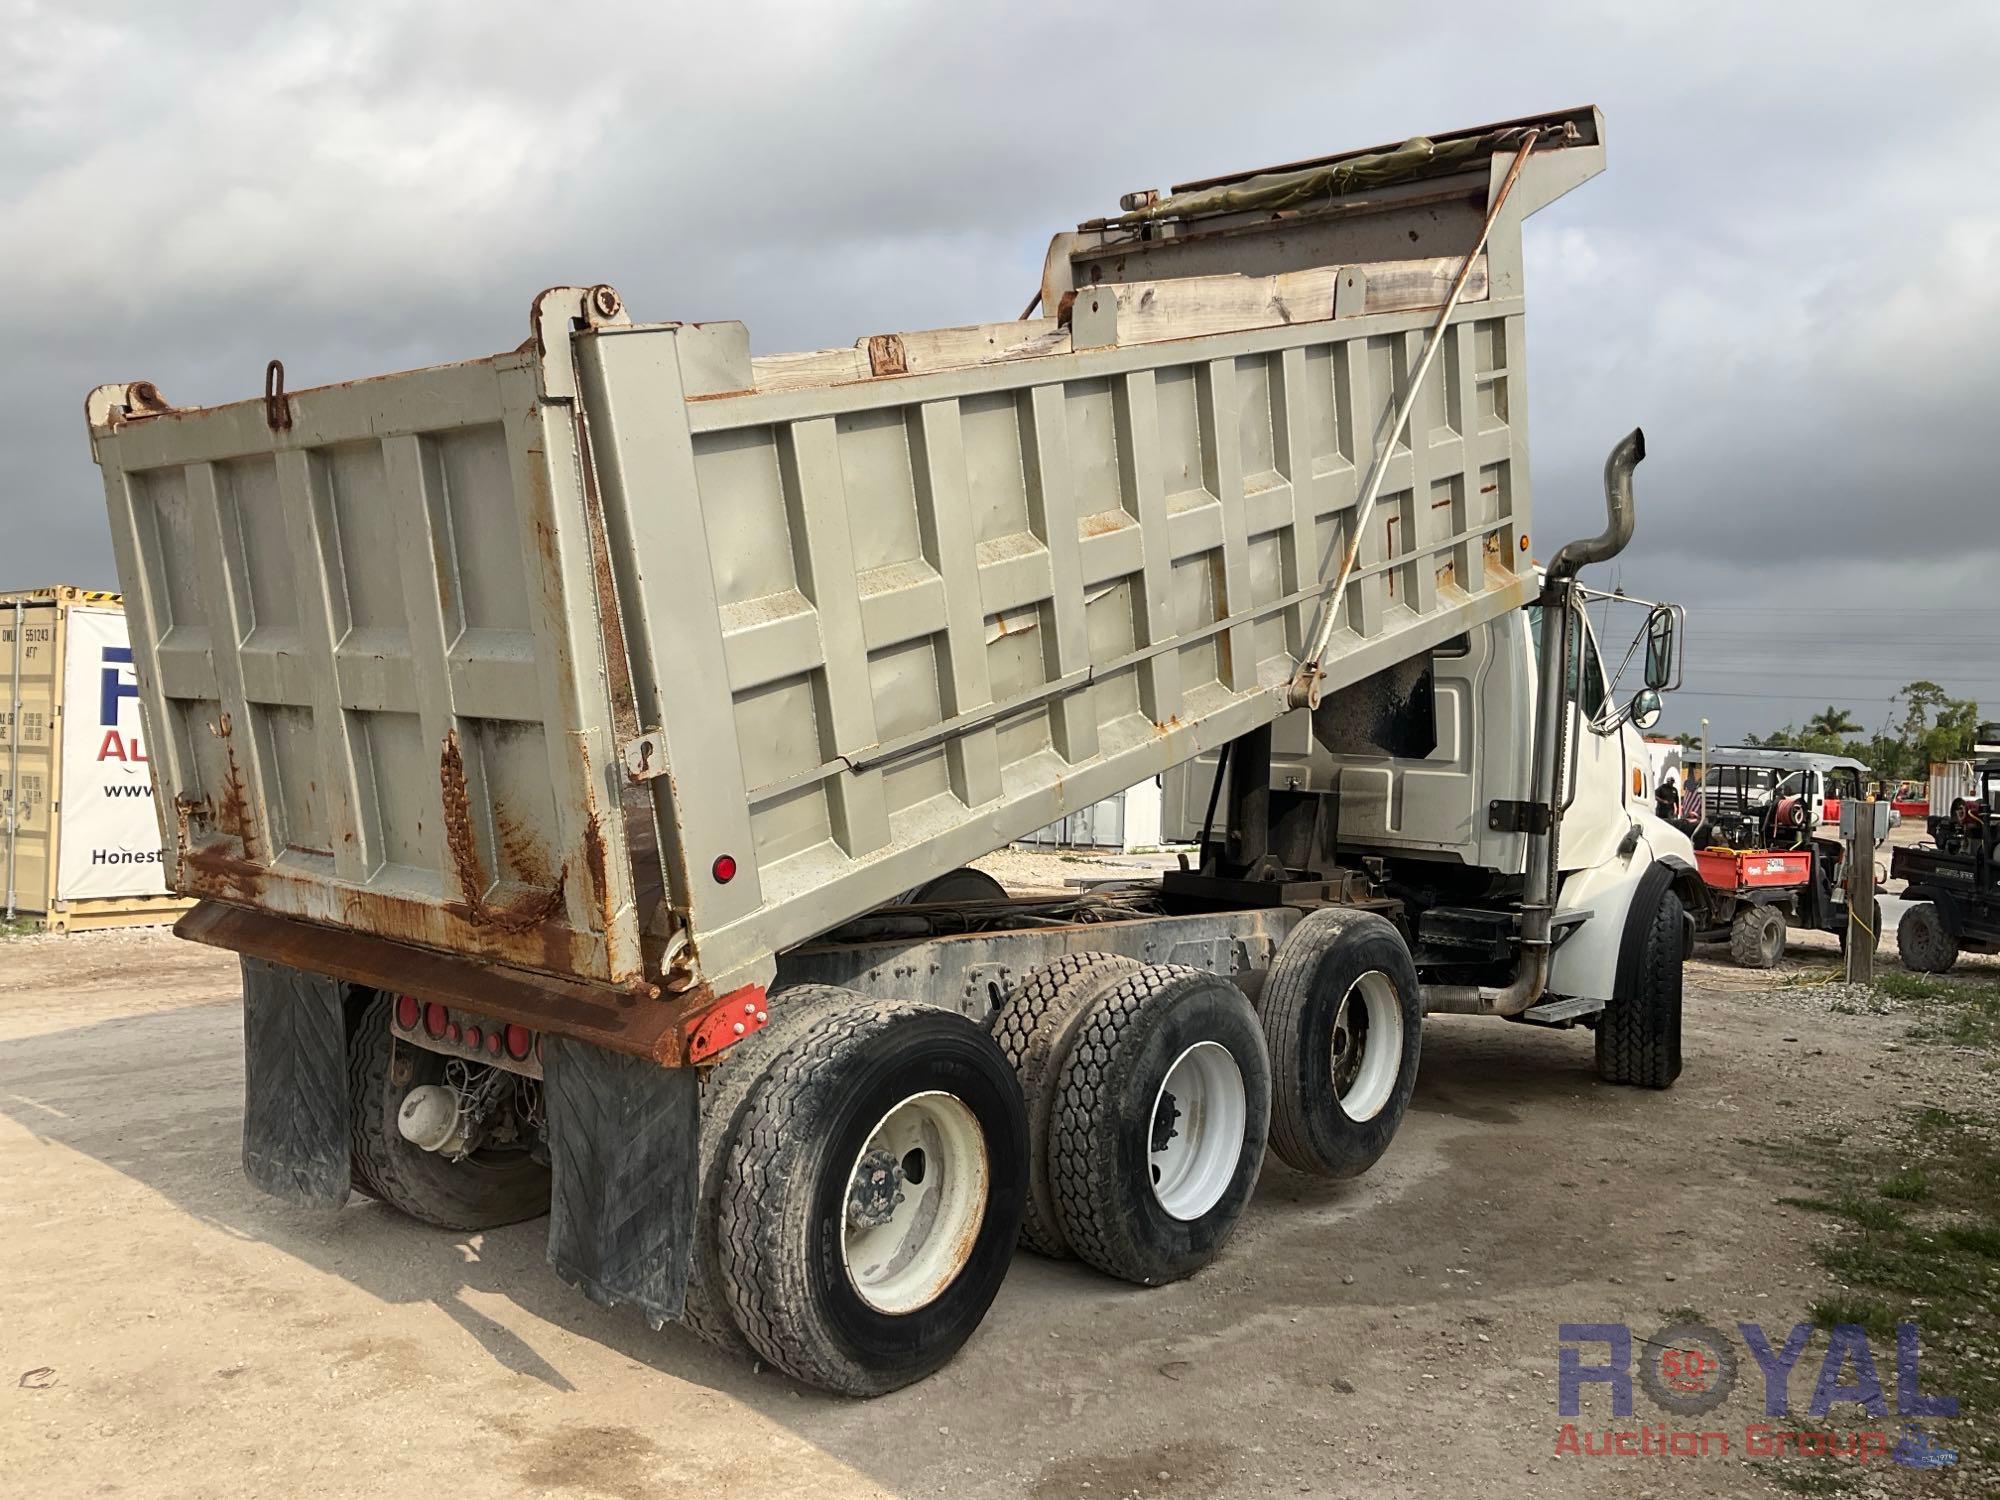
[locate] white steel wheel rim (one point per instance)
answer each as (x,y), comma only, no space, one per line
(1367,1046)
(904,1261)
(1195,1134)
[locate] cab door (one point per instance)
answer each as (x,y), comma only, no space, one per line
(1596,817)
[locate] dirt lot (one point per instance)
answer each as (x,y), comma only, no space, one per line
(165,1331)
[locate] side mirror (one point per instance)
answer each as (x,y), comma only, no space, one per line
(1646,707)
(1659,650)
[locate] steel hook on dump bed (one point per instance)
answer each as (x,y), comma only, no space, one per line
(277,410)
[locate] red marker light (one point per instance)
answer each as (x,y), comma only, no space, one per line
(724,868)
(436,1018)
(493,1042)
(473,1037)
(408,1012)
(518,1043)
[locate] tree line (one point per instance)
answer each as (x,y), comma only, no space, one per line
(1935,726)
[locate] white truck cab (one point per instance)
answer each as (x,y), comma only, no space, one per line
(1433,755)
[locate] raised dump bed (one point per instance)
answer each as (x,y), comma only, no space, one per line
(627,658)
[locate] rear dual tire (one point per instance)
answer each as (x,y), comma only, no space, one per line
(1343,1015)
(1158,1117)
(869,1194)
(1034,1027)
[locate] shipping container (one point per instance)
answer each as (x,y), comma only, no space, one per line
(1951,781)
(81,844)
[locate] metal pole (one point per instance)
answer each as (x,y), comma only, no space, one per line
(1861,936)
(1704,767)
(14,760)
(1305,682)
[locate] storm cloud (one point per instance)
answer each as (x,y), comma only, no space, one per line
(1790,273)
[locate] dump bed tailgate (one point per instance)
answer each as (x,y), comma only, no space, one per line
(373,662)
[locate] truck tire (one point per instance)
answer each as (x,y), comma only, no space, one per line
(725,1090)
(1925,943)
(1342,1013)
(1757,937)
(491,1187)
(1033,1027)
(1157,1132)
(963,884)
(1639,1034)
(872,1194)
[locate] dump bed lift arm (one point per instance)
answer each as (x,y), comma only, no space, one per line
(1307,680)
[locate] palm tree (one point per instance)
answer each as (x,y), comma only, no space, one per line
(1832,723)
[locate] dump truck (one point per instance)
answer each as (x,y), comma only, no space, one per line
(582,746)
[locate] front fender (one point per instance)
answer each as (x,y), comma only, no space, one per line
(1586,963)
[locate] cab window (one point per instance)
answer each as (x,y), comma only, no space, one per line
(1588,690)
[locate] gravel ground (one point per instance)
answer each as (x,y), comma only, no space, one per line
(166,1331)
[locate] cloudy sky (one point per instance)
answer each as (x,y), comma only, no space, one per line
(1790,273)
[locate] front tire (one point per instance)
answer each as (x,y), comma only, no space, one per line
(1157,1133)
(872,1195)
(1926,944)
(492,1186)
(1342,1013)
(1639,1034)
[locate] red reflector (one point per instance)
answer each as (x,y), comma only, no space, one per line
(436,1018)
(408,1012)
(726,1022)
(472,1036)
(724,868)
(518,1043)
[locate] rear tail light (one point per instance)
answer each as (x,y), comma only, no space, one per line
(465,1033)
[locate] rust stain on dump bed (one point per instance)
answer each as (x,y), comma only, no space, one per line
(532,910)
(633,1019)
(213,868)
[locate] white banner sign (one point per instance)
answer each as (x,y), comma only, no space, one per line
(110,833)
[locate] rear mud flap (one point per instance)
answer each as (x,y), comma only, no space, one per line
(295,1125)
(623,1136)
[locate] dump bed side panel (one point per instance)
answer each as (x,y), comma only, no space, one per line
(891,625)
(366,635)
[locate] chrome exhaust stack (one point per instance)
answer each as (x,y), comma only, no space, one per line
(1550,764)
